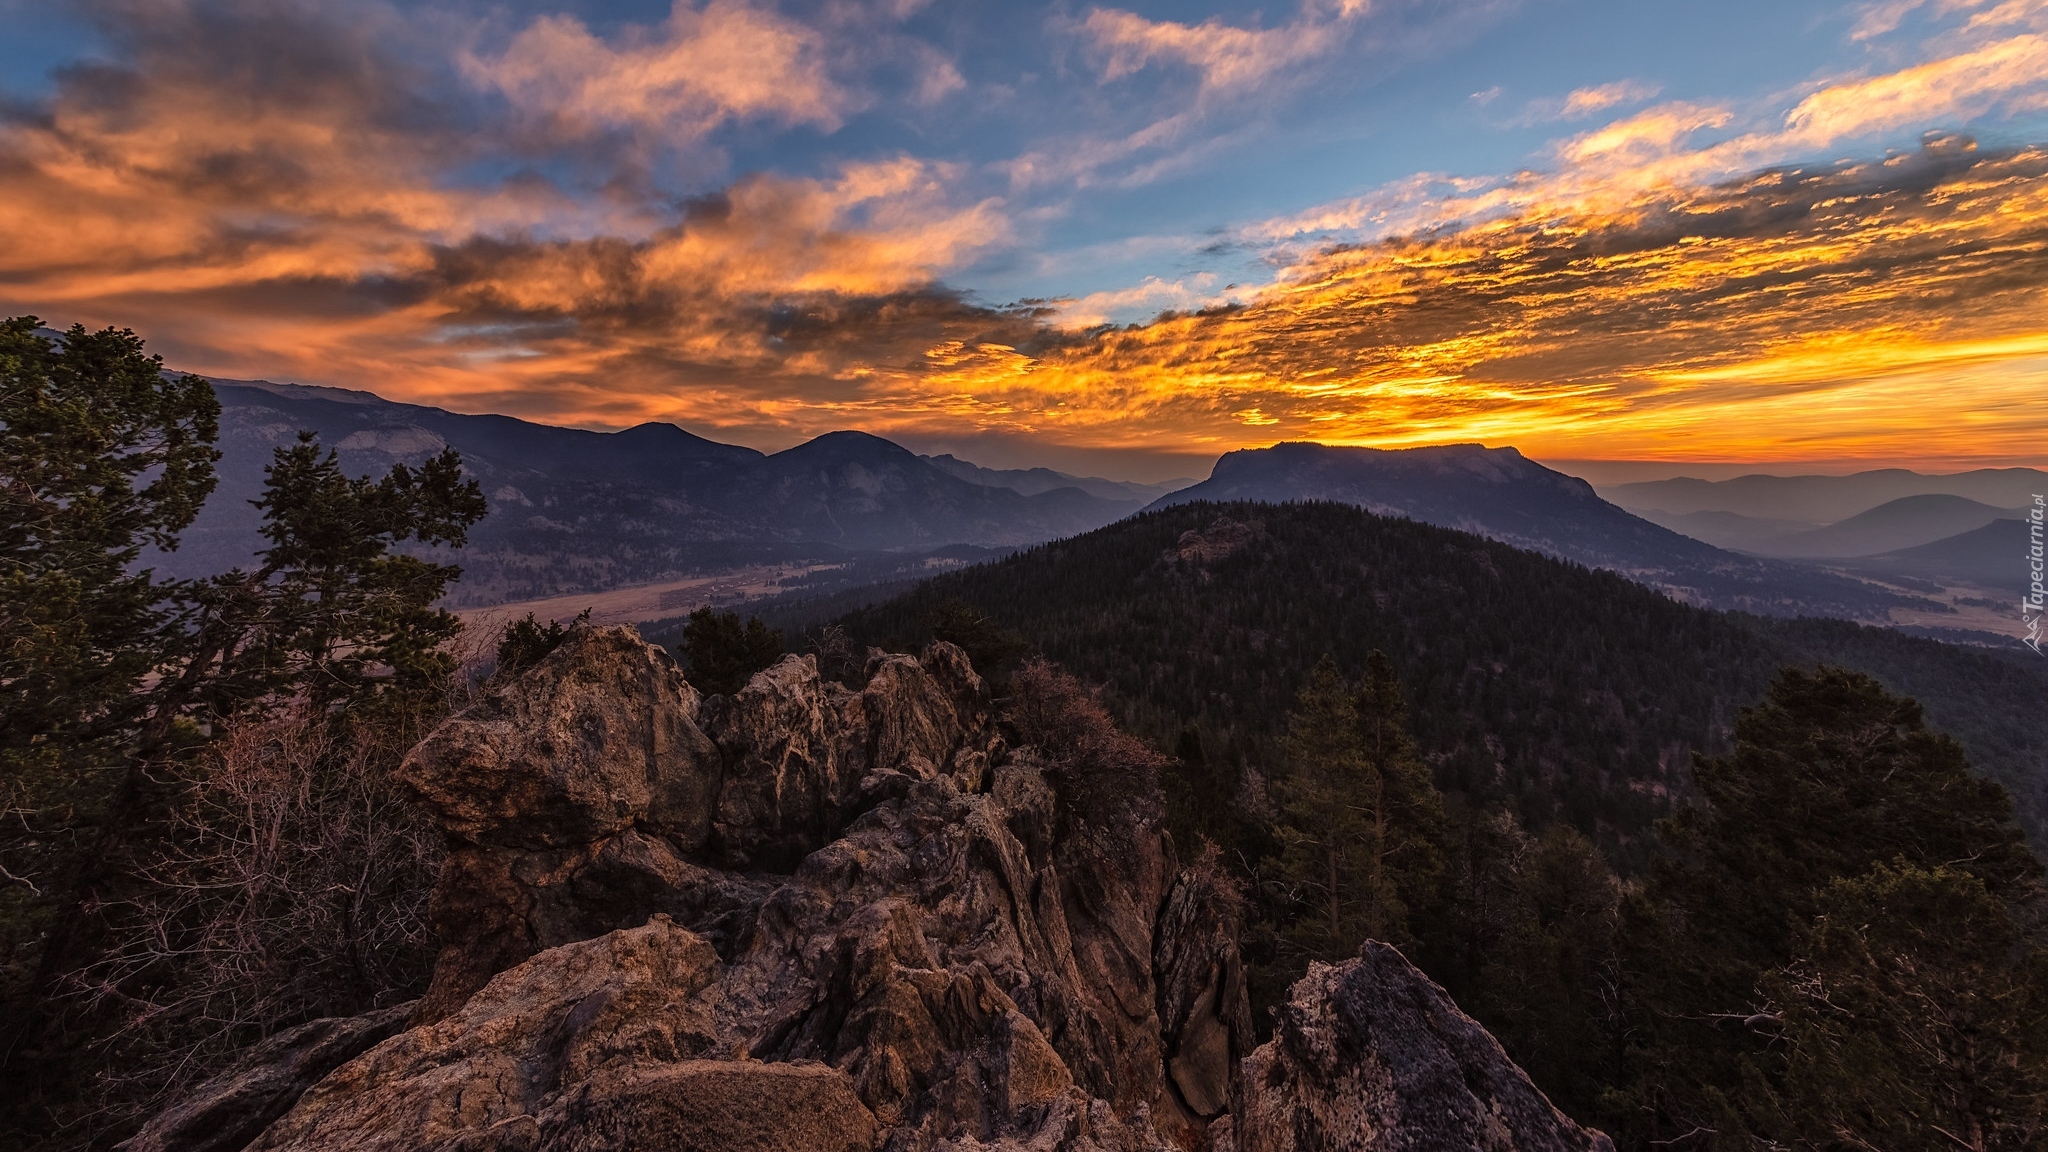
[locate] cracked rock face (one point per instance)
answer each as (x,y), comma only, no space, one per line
(599,788)
(815,917)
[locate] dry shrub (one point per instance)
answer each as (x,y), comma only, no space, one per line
(293,884)
(1104,774)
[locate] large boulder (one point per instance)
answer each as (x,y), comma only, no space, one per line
(566,794)
(1371,1056)
(600,737)
(513,1060)
(713,1106)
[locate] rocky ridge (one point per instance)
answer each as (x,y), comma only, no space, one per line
(820,916)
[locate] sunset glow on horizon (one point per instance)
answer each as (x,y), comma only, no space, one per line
(764,223)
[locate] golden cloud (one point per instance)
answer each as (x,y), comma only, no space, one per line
(725,60)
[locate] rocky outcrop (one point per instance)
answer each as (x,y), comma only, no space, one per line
(1370,1056)
(805,915)
(227,1112)
(812,916)
(599,788)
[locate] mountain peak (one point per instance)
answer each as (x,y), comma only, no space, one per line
(851,445)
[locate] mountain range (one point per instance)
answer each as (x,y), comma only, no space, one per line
(1908,522)
(1992,557)
(1032,481)
(1813,501)
(1962,532)
(574,510)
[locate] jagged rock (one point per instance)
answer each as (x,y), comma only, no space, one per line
(536,785)
(1204,1011)
(798,750)
(599,737)
(230,1110)
(1371,1056)
(925,960)
(599,788)
(506,1066)
(819,917)
(794,757)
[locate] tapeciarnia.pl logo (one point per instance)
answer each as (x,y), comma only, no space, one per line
(2035,603)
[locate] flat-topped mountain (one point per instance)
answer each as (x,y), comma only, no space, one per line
(573,510)
(1501,494)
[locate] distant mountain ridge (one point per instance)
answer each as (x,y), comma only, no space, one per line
(1032,481)
(1821,500)
(1501,494)
(1908,522)
(1991,556)
(574,510)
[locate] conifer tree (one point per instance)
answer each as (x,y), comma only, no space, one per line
(335,610)
(1914,1013)
(1360,825)
(101,456)
(1322,834)
(721,654)
(1833,782)
(1409,828)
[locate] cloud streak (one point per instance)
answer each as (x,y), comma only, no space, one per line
(1224,56)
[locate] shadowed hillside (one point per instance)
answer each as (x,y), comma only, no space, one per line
(1567,693)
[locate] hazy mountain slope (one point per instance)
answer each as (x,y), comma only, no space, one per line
(1727,529)
(1031,481)
(1991,556)
(1907,522)
(1570,694)
(1497,492)
(573,510)
(1826,499)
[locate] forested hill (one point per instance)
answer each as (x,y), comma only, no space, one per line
(1564,692)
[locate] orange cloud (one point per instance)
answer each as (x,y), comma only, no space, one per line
(2012,71)
(1888,310)
(725,60)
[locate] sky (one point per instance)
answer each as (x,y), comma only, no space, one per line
(1116,238)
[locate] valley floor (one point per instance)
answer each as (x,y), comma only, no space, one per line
(647,601)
